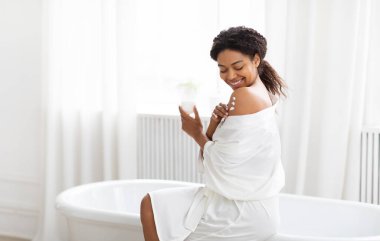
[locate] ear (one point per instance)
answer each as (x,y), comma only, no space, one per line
(256,60)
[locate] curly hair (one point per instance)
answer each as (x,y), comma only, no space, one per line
(249,42)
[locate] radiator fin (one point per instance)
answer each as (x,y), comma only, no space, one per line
(165,151)
(369,166)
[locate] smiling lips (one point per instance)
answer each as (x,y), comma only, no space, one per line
(236,82)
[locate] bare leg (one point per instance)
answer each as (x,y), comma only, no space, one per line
(147,219)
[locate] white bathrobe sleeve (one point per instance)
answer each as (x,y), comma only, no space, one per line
(200,164)
(243,162)
(211,146)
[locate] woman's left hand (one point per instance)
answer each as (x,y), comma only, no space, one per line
(192,126)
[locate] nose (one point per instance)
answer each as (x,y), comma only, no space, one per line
(231,74)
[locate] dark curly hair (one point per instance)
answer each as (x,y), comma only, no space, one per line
(249,42)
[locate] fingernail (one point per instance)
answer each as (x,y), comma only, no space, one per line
(233,97)
(233,103)
(232,108)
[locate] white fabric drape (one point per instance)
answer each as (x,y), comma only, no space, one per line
(328,50)
(90,118)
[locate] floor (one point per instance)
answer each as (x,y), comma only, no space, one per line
(11,239)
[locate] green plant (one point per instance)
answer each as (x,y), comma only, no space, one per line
(191,85)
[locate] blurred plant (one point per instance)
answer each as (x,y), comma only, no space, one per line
(189,84)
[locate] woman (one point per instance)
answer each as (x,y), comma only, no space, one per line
(239,155)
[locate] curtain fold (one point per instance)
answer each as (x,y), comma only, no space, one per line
(364,96)
(326,61)
(89,91)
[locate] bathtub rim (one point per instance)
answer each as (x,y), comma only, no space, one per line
(70,210)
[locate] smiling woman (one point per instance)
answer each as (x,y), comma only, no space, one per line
(240,160)
(239,73)
(240,54)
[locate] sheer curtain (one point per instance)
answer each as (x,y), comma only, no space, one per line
(89,99)
(329,57)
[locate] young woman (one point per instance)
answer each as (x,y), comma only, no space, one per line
(240,155)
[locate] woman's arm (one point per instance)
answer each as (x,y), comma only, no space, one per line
(193,127)
(220,112)
(201,139)
(211,128)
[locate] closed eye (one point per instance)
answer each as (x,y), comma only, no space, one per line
(236,68)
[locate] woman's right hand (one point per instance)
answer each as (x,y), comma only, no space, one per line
(220,112)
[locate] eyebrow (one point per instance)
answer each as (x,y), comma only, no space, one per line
(231,64)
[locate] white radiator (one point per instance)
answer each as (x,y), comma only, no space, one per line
(369,166)
(164,150)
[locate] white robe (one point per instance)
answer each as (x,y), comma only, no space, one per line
(243,174)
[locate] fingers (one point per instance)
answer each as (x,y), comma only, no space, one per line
(187,116)
(181,110)
(219,113)
(221,110)
(224,106)
(183,113)
(215,117)
(196,113)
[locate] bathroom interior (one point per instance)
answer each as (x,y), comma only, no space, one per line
(89,96)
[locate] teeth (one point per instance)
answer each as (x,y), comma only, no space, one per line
(234,83)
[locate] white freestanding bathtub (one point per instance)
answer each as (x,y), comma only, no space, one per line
(109,211)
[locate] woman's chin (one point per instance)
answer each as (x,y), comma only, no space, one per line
(237,86)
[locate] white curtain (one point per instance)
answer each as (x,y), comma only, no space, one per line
(89,99)
(329,61)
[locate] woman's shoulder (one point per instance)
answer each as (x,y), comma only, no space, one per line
(245,100)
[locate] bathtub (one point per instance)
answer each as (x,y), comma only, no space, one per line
(109,211)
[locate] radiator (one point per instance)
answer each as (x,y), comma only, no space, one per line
(164,151)
(369,166)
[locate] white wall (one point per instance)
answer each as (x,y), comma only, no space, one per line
(20,116)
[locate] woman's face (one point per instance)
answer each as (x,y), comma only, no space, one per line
(237,69)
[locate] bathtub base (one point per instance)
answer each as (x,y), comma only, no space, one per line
(85,230)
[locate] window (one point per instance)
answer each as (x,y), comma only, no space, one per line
(173,41)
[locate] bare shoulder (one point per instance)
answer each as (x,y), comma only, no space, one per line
(245,100)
